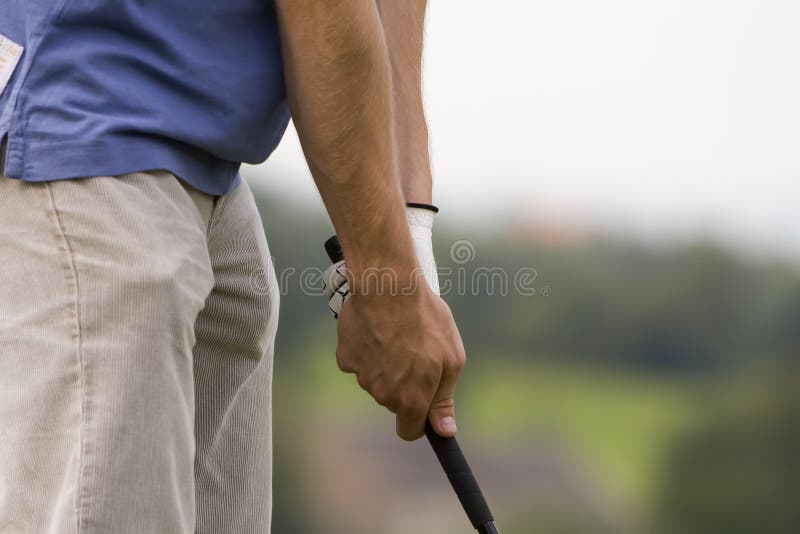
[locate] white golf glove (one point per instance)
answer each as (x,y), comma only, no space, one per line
(420,223)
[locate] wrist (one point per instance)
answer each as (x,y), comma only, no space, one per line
(370,280)
(386,268)
(376,238)
(386,276)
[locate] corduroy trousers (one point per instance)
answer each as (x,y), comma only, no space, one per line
(137,325)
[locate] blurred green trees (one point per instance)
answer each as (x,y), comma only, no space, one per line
(737,471)
(701,323)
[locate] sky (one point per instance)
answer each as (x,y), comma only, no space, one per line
(663,120)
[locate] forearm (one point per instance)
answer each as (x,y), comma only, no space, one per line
(404,23)
(338,78)
(403,347)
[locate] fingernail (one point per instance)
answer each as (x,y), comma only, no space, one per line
(448,424)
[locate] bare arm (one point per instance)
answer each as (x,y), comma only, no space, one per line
(403,346)
(339,85)
(404,23)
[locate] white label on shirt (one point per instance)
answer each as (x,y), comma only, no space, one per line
(10,53)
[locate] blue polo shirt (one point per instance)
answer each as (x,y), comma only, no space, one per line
(107,87)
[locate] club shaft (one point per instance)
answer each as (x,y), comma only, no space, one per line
(463,481)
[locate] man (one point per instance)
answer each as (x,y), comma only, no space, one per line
(135,354)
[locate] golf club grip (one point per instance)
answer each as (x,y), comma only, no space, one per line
(460,475)
(334,249)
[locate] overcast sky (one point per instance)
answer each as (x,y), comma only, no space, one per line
(661,118)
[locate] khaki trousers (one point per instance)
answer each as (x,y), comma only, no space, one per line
(137,324)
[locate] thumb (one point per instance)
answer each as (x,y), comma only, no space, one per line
(442,414)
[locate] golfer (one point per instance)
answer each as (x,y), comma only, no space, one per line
(135,345)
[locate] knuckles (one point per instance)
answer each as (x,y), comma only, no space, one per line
(344,364)
(411,397)
(363,382)
(458,361)
(382,396)
(412,402)
(378,391)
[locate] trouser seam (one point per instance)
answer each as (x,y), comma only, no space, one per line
(73,273)
(219,204)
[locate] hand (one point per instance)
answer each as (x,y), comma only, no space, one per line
(406,352)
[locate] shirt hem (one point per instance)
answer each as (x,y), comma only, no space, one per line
(117,155)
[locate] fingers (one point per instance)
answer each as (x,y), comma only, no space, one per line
(413,403)
(411,419)
(442,414)
(344,357)
(410,404)
(415,379)
(346,365)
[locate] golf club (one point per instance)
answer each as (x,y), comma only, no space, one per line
(448,452)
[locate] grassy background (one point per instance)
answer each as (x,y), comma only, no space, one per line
(650,390)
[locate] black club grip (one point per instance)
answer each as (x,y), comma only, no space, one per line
(460,475)
(334,250)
